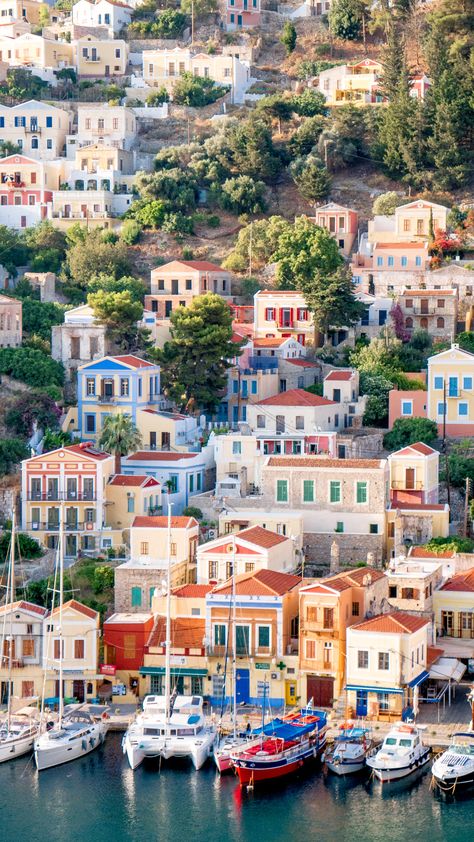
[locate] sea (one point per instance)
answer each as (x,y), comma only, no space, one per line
(99,799)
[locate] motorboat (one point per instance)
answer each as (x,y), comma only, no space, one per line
(281,748)
(349,752)
(225,747)
(182,733)
(17,735)
(401,753)
(81,729)
(455,767)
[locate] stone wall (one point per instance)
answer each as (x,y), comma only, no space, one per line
(127,578)
(352,548)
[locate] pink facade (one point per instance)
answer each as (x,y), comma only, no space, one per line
(243,13)
(406,404)
(400,256)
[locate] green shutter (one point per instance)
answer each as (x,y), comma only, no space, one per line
(308,491)
(219,635)
(136,597)
(282,491)
(362,492)
(335,491)
(263,636)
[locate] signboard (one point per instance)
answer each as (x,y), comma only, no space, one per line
(119,690)
(262,666)
(107,669)
(263,689)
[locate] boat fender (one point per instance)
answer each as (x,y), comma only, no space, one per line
(92,742)
(105,715)
(49,725)
(84,745)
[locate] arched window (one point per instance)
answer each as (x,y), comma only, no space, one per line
(424,324)
(79,184)
(34,143)
(408,322)
(440,322)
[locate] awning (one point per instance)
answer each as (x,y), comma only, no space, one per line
(419,679)
(448,669)
(374,689)
(174,671)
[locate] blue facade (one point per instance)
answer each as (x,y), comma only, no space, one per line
(185,475)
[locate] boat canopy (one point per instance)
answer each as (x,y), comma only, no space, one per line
(288,731)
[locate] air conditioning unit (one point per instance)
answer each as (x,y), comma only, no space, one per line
(212,533)
(275,676)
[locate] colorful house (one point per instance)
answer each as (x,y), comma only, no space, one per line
(282,314)
(121,384)
(25,644)
(386,662)
(341,222)
(242,14)
(184,474)
(128,497)
(98,58)
(358,84)
(38,128)
(454,608)
(110,15)
(75,476)
(264,638)
(163,67)
(177,283)
(254,548)
(296,411)
(414,474)
(125,638)
(327,609)
(26,190)
(450,399)
(81,633)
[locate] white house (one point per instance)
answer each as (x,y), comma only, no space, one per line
(295,411)
(254,549)
(112,15)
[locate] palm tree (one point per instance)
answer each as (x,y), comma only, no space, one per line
(119,436)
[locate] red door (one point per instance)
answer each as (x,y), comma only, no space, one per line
(320,690)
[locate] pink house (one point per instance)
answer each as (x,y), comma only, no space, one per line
(242,13)
(395,256)
(341,222)
(406,404)
(419,85)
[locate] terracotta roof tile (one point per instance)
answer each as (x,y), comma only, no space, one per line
(192,591)
(159,456)
(136,362)
(303,363)
(202,265)
(322,462)
(340,375)
(432,654)
(402,246)
(161,522)
(419,446)
(136,481)
(462,582)
(260,583)
(295,397)
(261,537)
(435,293)
(397,622)
(24,605)
(78,606)
(426,507)
(270,341)
(422,552)
(357,576)
(186,632)
(85,448)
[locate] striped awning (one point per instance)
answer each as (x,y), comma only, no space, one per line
(419,679)
(174,671)
(390,690)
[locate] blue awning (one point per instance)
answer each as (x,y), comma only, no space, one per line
(286,731)
(419,679)
(174,671)
(374,689)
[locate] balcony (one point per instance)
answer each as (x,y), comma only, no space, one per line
(315,627)
(52,497)
(263,363)
(404,485)
(108,398)
(46,526)
(91,58)
(33,128)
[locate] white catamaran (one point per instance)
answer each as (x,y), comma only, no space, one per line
(170,725)
(18,730)
(80,728)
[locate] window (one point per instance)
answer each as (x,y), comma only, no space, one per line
(136,597)
(130,504)
(300,422)
(28,647)
(191,483)
(261,421)
(417,261)
(390,260)
(282,491)
(441,408)
(361,492)
(467,383)
(407,407)
(263,637)
(236,448)
(363,659)
(308,491)
(57,649)
(334,491)
(439,322)
(355,609)
(144,547)
(328,621)
(404,262)
(379,261)
(463,409)
(311,650)
(27,689)
(198,482)
(173,484)
(311,613)
(173,549)
(384,661)
(242,640)
(383,701)
(90,386)
(90,423)
(406,225)
(78,649)
(124,387)
(438,383)
(340,526)
(373,528)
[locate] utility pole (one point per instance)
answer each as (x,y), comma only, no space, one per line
(192,22)
(326,153)
(466,506)
(250,249)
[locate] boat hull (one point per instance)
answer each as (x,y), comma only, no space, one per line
(11,749)
(345,767)
(252,772)
(387,775)
(450,783)
(48,754)
(138,749)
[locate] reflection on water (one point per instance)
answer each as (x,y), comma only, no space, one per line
(100,796)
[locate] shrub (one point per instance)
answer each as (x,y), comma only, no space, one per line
(31,367)
(27,547)
(196,91)
(387,203)
(158,97)
(103,579)
(407,431)
(131,231)
(243,195)
(193,511)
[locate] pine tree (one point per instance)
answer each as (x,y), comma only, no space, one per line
(330,298)
(392,62)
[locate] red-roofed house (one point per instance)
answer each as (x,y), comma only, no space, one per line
(254,549)
(26,643)
(125,637)
(342,386)
(189,666)
(264,638)
(177,283)
(341,222)
(327,608)
(137,579)
(129,496)
(414,474)
(387,663)
(76,475)
(295,412)
(81,631)
(454,609)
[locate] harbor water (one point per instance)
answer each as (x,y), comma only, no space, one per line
(100,798)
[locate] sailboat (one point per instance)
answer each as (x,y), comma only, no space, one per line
(171,725)
(80,727)
(18,730)
(230,743)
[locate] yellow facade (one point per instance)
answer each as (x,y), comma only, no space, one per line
(30,49)
(451,382)
(128,497)
(96,57)
(20,9)
(453,609)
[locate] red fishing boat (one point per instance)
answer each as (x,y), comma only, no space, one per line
(282,747)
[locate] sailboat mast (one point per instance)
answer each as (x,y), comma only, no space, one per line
(234,642)
(12,600)
(168,620)
(61,599)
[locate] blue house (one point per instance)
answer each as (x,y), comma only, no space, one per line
(105,387)
(185,473)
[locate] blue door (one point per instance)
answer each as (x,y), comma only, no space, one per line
(243,686)
(361,703)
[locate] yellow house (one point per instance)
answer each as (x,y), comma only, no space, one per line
(164,67)
(96,57)
(450,386)
(414,474)
(34,50)
(75,477)
(128,497)
(282,313)
(161,430)
(454,607)
(415,523)
(28,10)
(22,623)
(357,83)
(39,128)
(80,633)
(410,223)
